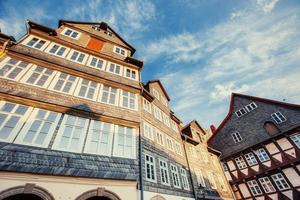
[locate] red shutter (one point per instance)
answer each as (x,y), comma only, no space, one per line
(95,44)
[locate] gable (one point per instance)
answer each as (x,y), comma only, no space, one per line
(157,85)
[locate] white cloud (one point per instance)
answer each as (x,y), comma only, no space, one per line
(255,52)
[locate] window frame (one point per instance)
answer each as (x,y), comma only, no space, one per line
(165,170)
(150,128)
(117,95)
(129,98)
(116,139)
(175,175)
(57,78)
(266,184)
(78,88)
(147,105)
(236,136)
(115,51)
(250,159)
(240,162)
(296,139)
(239,112)
(14,66)
(262,155)
(277,116)
(184,179)
(112,63)
(160,137)
(157,113)
(251,106)
(63,32)
(280,181)
(200,178)
(254,188)
(51,45)
(154,168)
(72,51)
(30,37)
(155,93)
(131,70)
(89,60)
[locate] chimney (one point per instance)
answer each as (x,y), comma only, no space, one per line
(213,129)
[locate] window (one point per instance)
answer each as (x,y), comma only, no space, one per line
(164,101)
(147,105)
(266,185)
(254,188)
(77,56)
(211,180)
(109,95)
(178,148)
(240,112)
(251,160)
(157,113)
(224,165)
(175,176)
(166,119)
(169,143)
(150,168)
(129,100)
(193,151)
(99,139)
(120,51)
(12,117)
(13,69)
(36,43)
(200,178)
(262,155)
(236,137)
(57,50)
(97,63)
(251,106)
(164,173)
(156,94)
(174,126)
(131,73)
(280,181)
(96,27)
(71,134)
(71,33)
(148,131)
(278,117)
(64,83)
(160,137)
(39,128)
(87,89)
(114,68)
(296,139)
(39,76)
(184,179)
(108,33)
(240,162)
(124,142)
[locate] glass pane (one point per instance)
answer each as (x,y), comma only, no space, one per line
(8,107)
(21,110)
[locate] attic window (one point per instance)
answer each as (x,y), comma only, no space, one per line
(251,106)
(71,33)
(120,51)
(241,112)
(108,33)
(97,28)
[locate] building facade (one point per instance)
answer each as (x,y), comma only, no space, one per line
(77,123)
(260,144)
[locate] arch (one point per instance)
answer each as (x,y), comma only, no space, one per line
(157,197)
(28,188)
(271,128)
(99,192)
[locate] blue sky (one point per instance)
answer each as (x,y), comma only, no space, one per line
(201,50)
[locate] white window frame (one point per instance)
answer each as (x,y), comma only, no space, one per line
(30,72)
(250,158)
(160,137)
(67,49)
(178,148)
(30,37)
(280,182)
(240,162)
(147,105)
(296,139)
(278,117)
(16,66)
(157,113)
(174,125)
(166,119)
(184,179)
(122,96)
(254,188)
(236,136)
(120,49)
(251,106)
(200,178)
(241,112)
(131,70)
(175,176)
(78,88)
(211,180)
(72,31)
(57,78)
(148,130)
(164,101)
(262,155)
(98,59)
(61,131)
(156,94)
(164,172)
(170,143)
(32,118)
(90,138)
(116,143)
(193,151)
(109,95)
(267,184)
(114,71)
(17,127)
(151,168)
(70,54)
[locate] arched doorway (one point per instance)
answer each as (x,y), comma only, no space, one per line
(98,194)
(28,191)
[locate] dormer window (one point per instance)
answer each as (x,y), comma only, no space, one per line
(236,137)
(240,112)
(71,33)
(97,28)
(278,117)
(108,33)
(251,106)
(120,51)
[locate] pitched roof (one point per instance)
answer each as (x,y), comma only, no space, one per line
(160,84)
(193,121)
(233,95)
(35,25)
(101,24)
(7,37)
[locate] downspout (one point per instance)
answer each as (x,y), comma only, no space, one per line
(195,193)
(140,149)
